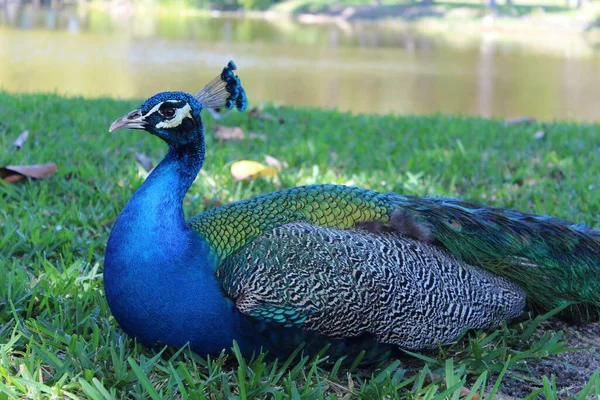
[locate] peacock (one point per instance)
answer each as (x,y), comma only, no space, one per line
(325,264)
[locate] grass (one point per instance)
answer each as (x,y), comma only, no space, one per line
(58,339)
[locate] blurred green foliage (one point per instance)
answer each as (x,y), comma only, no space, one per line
(225,5)
(502,7)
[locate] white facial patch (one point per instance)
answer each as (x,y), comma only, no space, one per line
(177,119)
(153,110)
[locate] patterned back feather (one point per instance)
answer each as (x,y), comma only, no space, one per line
(347,283)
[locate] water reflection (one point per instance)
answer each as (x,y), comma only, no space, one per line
(362,67)
(28,16)
(120,19)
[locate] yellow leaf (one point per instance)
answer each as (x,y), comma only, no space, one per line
(250,169)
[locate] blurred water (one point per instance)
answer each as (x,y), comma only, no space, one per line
(362,67)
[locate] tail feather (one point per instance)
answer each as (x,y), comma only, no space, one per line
(556,261)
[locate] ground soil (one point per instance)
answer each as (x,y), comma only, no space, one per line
(572,369)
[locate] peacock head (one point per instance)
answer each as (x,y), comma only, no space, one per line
(175,116)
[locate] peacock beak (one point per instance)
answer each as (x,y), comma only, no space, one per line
(133,120)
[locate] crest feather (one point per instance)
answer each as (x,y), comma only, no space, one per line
(224,91)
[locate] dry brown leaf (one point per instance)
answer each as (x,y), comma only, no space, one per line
(211,202)
(519,121)
(20,141)
(14,173)
(464,391)
(256,113)
(244,169)
(225,133)
(144,161)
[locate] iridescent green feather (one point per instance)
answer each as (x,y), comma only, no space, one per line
(231,226)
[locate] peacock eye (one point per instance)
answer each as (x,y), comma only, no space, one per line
(168,112)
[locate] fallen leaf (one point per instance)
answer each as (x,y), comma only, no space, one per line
(144,161)
(20,141)
(519,121)
(350,383)
(225,133)
(256,113)
(275,163)
(539,135)
(14,173)
(250,169)
(463,391)
(211,202)
(228,133)
(258,136)
(214,112)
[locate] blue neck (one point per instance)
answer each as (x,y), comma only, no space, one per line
(157,206)
(158,273)
(152,224)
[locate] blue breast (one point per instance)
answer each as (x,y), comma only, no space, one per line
(158,274)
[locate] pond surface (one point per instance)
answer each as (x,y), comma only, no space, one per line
(362,67)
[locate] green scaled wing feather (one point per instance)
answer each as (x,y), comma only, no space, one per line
(231,226)
(286,315)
